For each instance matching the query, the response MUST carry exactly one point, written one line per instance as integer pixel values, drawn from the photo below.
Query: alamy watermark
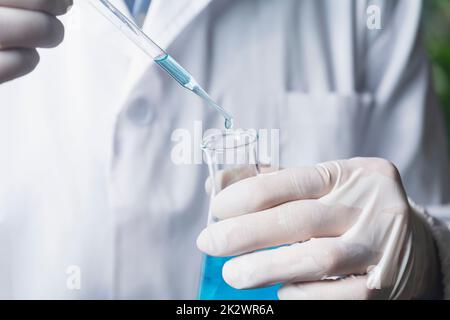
(73, 281)
(373, 21)
(187, 145)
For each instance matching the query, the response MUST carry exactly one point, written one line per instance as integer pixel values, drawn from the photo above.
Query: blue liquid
(229, 123)
(174, 69)
(213, 287)
(184, 78)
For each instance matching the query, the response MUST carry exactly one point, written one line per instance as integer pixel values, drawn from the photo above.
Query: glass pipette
(163, 59)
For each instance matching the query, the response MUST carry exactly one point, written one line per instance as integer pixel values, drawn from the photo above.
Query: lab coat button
(141, 112)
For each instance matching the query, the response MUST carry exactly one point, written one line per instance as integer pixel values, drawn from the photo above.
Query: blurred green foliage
(437, 37)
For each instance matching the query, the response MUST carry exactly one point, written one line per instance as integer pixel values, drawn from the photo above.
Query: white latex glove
(347, 218)
(24, 26)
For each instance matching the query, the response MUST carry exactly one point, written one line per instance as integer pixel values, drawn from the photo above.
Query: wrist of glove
(348, 220)
(419, 276)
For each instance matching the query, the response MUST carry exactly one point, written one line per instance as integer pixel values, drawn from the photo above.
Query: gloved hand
(24, 26)
(346, 231)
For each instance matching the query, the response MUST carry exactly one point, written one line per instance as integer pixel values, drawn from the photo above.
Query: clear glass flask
(228, 150)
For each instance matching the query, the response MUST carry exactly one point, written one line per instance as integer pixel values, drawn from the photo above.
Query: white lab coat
(85, 162)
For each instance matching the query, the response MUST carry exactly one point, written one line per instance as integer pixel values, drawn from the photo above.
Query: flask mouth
(229, 140)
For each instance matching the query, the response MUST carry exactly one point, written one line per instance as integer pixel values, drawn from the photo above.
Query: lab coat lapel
(165, 21)
(167, 18)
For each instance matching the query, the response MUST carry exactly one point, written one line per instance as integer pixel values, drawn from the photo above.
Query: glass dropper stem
(128, 28)
(164, 60)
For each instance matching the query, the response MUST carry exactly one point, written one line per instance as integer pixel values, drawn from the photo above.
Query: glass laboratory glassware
(227, 150)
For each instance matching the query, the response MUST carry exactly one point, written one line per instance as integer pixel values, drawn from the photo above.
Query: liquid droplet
(229, 124)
